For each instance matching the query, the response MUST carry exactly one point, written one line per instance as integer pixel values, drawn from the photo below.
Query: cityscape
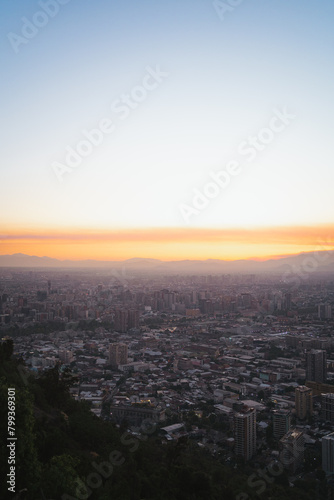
(240, 365)
(167, 250)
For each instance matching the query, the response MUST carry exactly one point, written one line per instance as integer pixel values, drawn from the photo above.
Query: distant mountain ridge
(310, 262)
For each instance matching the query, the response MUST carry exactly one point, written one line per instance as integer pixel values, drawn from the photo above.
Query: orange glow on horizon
(168, 243)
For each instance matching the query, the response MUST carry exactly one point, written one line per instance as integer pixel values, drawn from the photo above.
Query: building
(292, 450)
(292, 341)
(184, 364)
(65, 356)
(245, 433)
(133, 318)
(287, 300)
(118, 354)
(206, 306)
(136, 414)
(316, 365)
(281, 423)
(193, 313)
(304, 402)
(324, 311)
(327, 443)
(318, 389)
(327, 407)
(121, 320)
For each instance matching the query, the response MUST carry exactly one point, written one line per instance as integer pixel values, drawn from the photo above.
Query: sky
(173, 130)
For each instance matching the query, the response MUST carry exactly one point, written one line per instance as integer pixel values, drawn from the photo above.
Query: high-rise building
(304, 402)
(316, 365)
(327, 444)
(121, 320)
(324, 311)
(123, 354)
(118, 354)
(287, 300)
(292, 450)
(169, 300)
(245, 433)
(206, 306)
(133, 318)
(246, 300)
(113, 354)
(327, 407)
(281, 423)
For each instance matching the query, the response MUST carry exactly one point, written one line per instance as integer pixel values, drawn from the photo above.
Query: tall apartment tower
(287, 300)
(118, 354)
(327, 444)
(292, 450)
(324, 311)
(121, 320)
(327, 407)
(133, 318)
(316, 366)
(303, 401)
(281, 423)
(245, 433)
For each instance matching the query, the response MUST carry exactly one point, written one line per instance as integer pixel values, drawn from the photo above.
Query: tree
(60, 476)
(56, 385)
(6, 349)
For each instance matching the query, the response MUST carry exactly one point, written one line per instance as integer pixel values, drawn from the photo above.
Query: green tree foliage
(59, 476)
(56, 385)
(6, 350)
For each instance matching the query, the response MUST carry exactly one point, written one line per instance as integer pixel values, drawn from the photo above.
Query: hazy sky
(181, 89)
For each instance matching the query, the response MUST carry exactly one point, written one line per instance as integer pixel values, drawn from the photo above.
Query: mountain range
(306, 263)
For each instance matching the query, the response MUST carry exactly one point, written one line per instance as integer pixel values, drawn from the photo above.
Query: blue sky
(225, 78)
